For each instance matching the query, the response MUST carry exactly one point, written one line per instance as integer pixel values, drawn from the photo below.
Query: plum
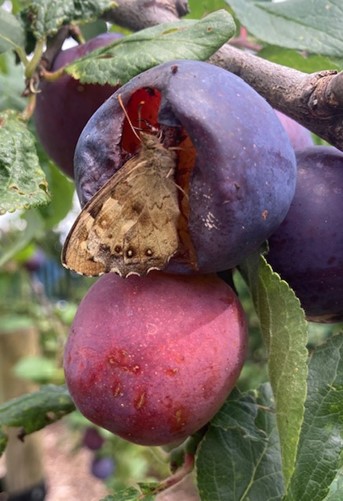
(36, 261)
(64, 106)
(102, 467)
(92, 439)
(153, 358)
(299, 136)
(237, 174)
(307, 249)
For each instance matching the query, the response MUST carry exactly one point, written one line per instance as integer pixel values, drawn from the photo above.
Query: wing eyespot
(130, 253)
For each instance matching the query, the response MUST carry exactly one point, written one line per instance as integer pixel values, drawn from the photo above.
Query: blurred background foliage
(35, 290)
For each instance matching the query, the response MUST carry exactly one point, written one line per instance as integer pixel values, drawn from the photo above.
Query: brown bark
(315, 100)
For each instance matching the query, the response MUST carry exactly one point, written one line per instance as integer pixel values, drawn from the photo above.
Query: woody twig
(315, 100)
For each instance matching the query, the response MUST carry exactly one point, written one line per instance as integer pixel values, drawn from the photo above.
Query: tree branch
(314, 100)
(138, 14)
(54, 45)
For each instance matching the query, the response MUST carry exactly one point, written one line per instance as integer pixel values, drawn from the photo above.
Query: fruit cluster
(152, 358)
(102, 465)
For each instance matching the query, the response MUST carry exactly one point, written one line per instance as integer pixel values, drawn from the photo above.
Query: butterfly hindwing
(130, 225)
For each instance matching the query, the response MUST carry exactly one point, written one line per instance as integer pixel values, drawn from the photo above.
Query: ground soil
(67, 470)
(66, 467)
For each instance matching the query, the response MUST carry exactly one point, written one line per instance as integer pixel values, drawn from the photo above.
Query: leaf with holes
(43, 18)
(22, 181)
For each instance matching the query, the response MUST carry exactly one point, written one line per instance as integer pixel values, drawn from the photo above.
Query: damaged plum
(153, 358)
(236, 178)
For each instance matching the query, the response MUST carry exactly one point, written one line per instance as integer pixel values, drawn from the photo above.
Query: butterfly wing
(101, 218)
(130, 225)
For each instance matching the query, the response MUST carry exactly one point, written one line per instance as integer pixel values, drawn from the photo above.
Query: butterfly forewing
(130, 225)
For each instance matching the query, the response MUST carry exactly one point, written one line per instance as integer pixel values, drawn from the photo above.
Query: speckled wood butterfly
(130, 226)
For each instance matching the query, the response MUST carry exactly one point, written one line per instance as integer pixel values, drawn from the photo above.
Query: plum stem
(52, 76)
(29, 108)
(21, 55)
(54, 45)
(179, 475)
(37, 55)
(182, 460)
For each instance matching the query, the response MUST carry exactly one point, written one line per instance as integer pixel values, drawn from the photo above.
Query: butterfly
(130, 226)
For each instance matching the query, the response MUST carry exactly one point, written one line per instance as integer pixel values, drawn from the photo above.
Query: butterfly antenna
(127, 116)
(140, 120)
(182, 191)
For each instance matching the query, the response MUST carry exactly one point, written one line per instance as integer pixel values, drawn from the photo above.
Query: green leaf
(299, 61)
(17, 5)
(239, 457)
(12, 323)
(133, 494)
(123, 59)
(3, 441)
(44, 18)
(62, 190)
(93, 29)
(199, 8)
(38, 369)
(336, 488)
(33, 411)
(12, 34)
(321, 440)
(314, 26)
(11, 83)
(22, 182)
(14, 241)
(285, 333)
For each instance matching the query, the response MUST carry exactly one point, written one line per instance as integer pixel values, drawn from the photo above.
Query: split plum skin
(243, 179)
